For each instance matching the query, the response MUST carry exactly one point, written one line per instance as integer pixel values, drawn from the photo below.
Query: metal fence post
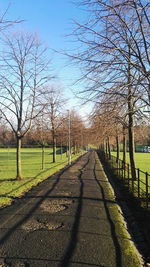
(138, 176)
(128, 174)
(122, 169)
(119, 168)
(132, 185)
(146, 184)
(117, 163)
(110, 163)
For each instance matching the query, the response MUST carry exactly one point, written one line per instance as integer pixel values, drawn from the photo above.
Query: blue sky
(52, 20)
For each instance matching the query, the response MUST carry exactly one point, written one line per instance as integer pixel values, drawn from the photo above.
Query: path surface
(71, 219)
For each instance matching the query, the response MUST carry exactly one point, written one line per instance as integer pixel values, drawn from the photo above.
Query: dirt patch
(48, 223)
(37, 224)
(55, 205)
(32, 225)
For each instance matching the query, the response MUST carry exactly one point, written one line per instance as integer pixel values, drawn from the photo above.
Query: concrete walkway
(71, 219)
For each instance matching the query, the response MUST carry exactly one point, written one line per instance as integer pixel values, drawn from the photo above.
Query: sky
(52, 20)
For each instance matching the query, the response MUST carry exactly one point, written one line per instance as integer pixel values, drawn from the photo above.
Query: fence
(140, 187)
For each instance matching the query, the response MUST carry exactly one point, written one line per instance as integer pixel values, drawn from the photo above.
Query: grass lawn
(31, 169)
(142, 160)
(143, 163)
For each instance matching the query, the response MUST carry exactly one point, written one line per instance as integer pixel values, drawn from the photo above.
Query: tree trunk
(131, 146)
(74, 148)
(106, 147)
(18, 159)
(43, 157)
(131, 121)
(54, 149)
(61, 150)
(103, 145)
(124, 146)
(66, 149)
(117, 145)
(149, 91)
(109, 152)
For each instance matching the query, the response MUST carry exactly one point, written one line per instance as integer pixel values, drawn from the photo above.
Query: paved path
(71, 219)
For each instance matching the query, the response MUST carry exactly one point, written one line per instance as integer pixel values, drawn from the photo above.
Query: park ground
(70, 219)
(35, 169)
(142, 160)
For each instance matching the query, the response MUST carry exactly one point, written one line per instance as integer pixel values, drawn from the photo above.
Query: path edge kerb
(123, 211)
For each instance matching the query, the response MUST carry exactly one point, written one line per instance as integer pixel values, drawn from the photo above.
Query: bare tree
(40, 134)
(55, 101)
(76, 131)
(114, 55)
(105, 37)
(24, 70)
(6, 23)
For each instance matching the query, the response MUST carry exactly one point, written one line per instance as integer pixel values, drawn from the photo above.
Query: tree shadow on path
(75, 228)
(112, 225)
(66, 261)
(31, 210)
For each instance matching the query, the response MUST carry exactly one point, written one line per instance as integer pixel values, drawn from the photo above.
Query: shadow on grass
(7, 180)
(30, 180)
(27, 182)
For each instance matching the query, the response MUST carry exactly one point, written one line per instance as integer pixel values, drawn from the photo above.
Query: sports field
(143, 163)
(142, 160)
(31, 169)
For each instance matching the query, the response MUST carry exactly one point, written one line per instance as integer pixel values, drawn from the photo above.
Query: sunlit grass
(31, 169)
(142, 160)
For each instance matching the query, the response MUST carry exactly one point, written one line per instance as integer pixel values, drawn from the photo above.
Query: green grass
(31, 169)
(142, 160)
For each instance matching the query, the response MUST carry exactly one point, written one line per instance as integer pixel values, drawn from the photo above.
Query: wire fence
(139, 186)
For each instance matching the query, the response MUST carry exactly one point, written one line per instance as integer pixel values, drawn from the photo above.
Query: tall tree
(23, 72)
(40, 134)
(54, 105)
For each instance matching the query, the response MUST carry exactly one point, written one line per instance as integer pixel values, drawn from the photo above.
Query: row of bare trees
(50, 129)
(114, 56)
(27, 98)
(31, 103)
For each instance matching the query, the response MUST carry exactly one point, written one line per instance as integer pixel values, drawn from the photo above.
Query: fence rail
(139, 186)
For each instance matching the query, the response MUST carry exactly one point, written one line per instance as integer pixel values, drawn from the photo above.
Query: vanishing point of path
(70, 219)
